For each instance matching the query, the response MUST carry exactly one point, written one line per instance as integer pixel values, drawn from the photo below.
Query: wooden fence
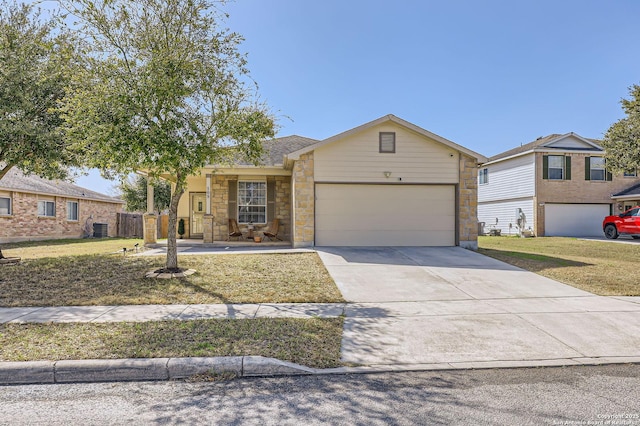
(130, 225)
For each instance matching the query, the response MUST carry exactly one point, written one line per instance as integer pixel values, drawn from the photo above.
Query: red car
(627, 223)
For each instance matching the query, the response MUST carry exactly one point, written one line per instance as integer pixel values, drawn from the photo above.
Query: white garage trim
(385, 215)
(574, 220)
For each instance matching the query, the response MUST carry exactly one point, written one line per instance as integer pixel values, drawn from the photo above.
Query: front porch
(196, 243)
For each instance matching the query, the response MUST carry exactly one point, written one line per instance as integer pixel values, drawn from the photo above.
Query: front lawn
(606, 269)
(113, 279)
(312, 342)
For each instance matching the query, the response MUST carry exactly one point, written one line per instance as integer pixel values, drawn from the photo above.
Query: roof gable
(388, 118)
(566, 142)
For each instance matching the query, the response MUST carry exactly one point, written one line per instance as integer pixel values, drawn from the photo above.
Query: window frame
(483, 176)
(47, 202)
(241, 204)
(77, 211)
(630, 173)
(380, 145)
(592, 169)
(562, 168)
(10, 208)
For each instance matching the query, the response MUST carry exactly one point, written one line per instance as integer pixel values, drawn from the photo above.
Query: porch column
(207, 220)
(150, 228)
(150, 209)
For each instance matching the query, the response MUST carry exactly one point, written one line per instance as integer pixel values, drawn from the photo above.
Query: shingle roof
(276, 149)
(15, 180)
(631, 191)
(531, 145)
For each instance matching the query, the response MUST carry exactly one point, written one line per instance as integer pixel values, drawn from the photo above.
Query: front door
(198, 201)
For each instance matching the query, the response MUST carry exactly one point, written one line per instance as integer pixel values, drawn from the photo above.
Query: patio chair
(272, 231)
(234, 230)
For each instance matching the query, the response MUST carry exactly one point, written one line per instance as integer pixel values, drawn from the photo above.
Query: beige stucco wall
(468, 203)
(577, 190)
(25, 225)
(356, 158)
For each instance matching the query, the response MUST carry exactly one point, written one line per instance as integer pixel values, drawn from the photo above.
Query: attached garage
(574, 220)
(385, 215)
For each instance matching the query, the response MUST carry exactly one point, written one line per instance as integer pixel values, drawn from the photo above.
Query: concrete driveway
(449, 307)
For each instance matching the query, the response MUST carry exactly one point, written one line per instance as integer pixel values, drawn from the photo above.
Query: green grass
(602, 268)
(311, 342)
(117, 280)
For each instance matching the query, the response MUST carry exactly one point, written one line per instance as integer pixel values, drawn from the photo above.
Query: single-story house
(384, 183)
(33, 208)
(557, 185)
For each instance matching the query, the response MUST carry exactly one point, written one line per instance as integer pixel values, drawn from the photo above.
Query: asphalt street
(602, 395)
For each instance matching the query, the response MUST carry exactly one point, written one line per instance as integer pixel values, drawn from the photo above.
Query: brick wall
(24, 223)
(468, 203)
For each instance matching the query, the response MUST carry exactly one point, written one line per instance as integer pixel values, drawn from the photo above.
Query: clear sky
(489, 75)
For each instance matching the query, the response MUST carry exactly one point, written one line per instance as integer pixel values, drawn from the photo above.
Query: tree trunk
(172, 245)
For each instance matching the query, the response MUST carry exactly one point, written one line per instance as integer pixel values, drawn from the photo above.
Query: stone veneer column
(207, 228)
(150, 228)
(468, 203)
(303, 201)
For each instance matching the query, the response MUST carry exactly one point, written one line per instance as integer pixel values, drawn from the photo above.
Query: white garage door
(385, 215)
(574, 220)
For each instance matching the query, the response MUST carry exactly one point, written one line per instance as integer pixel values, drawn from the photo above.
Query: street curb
(155, 369)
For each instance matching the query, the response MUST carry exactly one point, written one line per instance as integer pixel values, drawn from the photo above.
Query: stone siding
(24, 224)
(468, 203)
(304, 201)
(217, 225)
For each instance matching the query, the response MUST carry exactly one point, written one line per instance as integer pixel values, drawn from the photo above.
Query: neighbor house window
(72, 210)
(556, 166)
(5, 206)
(631, 173)
(387, 142)
(252, 202)
(596, 170)
(483, 176)
(46, 208)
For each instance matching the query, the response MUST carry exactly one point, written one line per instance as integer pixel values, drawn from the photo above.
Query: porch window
(72, 210)
(252, 202)
(46, 208)
(5, 206)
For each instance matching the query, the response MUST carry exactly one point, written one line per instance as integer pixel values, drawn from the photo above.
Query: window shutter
(587, 168)
(545, 167)
(233, 199)
(609, 177)
(271, 198)
(567, 167)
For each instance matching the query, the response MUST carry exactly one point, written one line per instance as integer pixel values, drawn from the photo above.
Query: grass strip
(603, 268)
(117, 280)
(312, 342)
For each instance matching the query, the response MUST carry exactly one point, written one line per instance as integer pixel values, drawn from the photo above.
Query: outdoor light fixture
(387, 174)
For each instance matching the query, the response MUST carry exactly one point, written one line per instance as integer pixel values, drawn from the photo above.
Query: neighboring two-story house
(557, 185)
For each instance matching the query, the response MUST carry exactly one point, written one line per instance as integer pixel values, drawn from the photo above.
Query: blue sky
(488, 75)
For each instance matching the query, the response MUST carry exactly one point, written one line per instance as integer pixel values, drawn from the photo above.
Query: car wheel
(611, 232)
